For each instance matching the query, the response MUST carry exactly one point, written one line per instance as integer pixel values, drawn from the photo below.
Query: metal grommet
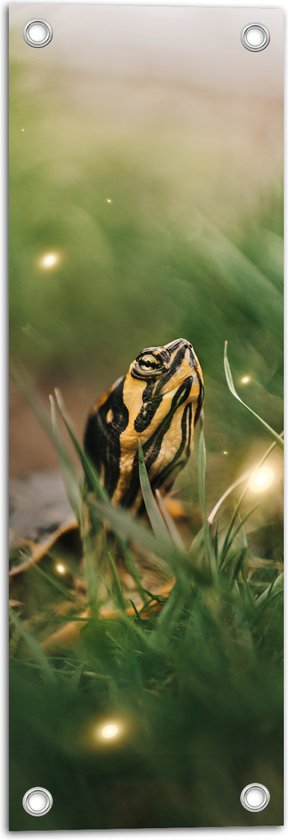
(37, 801)
(255, 797)
(255, 37)
(37, 33)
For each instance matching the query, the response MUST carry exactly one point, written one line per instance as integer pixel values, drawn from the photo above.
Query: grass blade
(163, 555)
(201, 463)
(232, 389)
(67, 470)
(32, 643)
(240, 500)
(117, 588)
(170, 524)
(238, 528)
(156, 521)
(89, 470)
(202, 468)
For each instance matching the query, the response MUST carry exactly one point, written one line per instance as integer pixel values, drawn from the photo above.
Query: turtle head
(157, 402)
(167, 365)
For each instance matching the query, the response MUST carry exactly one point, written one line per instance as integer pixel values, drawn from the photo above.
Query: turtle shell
(47, 579)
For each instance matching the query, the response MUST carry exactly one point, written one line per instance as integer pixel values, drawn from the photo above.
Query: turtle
(157, 403)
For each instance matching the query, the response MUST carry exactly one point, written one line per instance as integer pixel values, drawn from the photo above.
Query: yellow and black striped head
(158, 403)
(160, 372)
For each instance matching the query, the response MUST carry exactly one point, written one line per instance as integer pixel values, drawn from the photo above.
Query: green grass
(196, 685)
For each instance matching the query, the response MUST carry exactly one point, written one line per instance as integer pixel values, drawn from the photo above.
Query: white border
(241, 834)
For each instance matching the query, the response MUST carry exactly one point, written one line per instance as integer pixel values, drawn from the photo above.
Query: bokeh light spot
(110, 730)
(60, 568)
(262, 479)
(49, 260)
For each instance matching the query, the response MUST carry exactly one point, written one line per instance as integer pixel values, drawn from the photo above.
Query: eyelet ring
(255, 797)
(37, 33)
(255, 37)
(37, 801)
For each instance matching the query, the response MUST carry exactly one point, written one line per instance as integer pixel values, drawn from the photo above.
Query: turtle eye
(149, 362)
